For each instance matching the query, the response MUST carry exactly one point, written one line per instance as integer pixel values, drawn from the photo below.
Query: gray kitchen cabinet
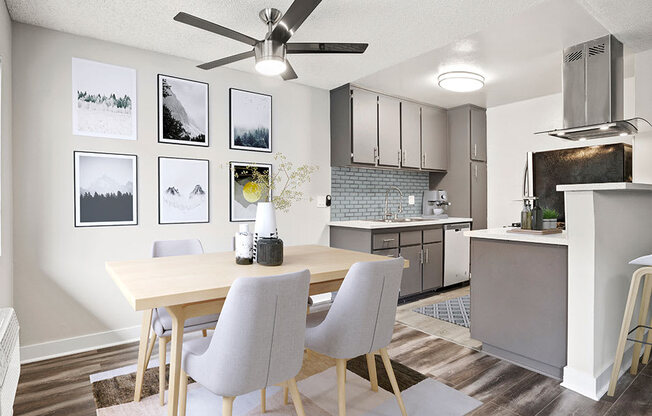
(479, 194)
(434, 139)
(433, 265)
(411, 282)
(478, 134)
(389, 252)
(410, 135)
(389, 131)
(364, 126)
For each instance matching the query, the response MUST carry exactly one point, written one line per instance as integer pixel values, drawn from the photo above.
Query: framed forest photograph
(183, 190)
(250, 121)
(245, 194)
(105, 189)
(182, 111)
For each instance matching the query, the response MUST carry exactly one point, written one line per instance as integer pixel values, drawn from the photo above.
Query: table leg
(142, 353)
(178, 320)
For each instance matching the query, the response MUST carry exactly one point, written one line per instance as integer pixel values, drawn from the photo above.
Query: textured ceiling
(395, 30)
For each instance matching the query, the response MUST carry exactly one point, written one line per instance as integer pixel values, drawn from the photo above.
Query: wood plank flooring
(61, 386)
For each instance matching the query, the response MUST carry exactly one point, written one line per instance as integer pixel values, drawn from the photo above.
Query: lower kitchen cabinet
(433, 266)
(411, 282)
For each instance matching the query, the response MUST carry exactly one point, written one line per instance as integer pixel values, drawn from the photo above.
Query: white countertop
(372, 225)
(608, 186)
(502, 234)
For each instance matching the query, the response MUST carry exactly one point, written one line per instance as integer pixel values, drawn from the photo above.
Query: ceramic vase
(265, 223)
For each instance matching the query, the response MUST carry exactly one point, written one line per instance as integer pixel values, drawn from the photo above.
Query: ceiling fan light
(461, 81)
(270, 57)
(271, 66)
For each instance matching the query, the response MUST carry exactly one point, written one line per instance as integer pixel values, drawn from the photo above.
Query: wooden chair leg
(204, 333)
(263, 400)
(162, 345)
(624, 329)
(142, 353)
(340, 365)
(373, 377)
(227, 406)
(183, 393)
(392, 379)
(285, 393)
(296, 397)
(642, 320)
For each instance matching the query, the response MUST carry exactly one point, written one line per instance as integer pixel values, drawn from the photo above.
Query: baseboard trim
(74, 345)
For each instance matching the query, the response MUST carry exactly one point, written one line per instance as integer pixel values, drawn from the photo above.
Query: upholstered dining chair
(360, 321)
(258, 341)
(161, 319)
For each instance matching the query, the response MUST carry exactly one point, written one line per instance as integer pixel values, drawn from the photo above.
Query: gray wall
(61, 287)
(6, 219)
(359, 194)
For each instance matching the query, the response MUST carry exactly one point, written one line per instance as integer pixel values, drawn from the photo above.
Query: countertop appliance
(457, 254)
(435, 204)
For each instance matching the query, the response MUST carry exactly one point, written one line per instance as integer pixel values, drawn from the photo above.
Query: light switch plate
(411, 200)
(323, 201)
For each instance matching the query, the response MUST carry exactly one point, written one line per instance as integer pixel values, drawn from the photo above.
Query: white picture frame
(184, 190)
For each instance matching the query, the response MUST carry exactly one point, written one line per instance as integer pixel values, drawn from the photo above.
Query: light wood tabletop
(189, 286)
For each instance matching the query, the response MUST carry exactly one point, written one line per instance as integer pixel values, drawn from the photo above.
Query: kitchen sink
(415, 219)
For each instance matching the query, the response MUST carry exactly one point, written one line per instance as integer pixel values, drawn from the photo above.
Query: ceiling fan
(270, 52)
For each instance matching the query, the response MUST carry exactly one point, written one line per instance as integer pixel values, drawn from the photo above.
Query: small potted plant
(549, 218)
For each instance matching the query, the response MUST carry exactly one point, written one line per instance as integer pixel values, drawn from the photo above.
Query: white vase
(265, 223)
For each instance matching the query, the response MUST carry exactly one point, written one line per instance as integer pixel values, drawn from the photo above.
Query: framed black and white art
(245, 194)
(183, 191)
(103, 100)
(182, 111)
(250, 121)
(106, 191)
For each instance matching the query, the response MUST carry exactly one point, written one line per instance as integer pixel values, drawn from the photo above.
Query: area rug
(456, 310)
(423, 396)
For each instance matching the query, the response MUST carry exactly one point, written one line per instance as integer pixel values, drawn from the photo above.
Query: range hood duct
(592, 86)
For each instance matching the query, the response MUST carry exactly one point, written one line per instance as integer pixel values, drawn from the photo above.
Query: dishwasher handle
(457, 227)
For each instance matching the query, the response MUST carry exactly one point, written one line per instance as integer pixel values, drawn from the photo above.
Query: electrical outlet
(411, 200)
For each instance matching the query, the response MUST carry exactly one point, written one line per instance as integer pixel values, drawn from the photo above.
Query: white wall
(6, 219)
(510, 135)
(643, 142)
(61, 288)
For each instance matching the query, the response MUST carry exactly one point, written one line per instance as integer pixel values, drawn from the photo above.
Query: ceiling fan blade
(227, 60)
(292, 19)
(214, 27)
(315, 47)
(289, 73)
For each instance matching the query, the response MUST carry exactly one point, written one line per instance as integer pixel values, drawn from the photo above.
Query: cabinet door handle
(388, 240)
(475, 149)
(424, 160)
(399, 158)
(375, 154)
(403, 161)
(421, 256)
(476, 171)
(427, 255)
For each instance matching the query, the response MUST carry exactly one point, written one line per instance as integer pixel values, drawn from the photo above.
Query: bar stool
(644, 273)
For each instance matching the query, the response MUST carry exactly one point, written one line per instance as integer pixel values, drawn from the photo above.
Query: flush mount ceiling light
(460, 81)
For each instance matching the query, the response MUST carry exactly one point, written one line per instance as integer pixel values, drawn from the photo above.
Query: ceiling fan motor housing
(269, 50)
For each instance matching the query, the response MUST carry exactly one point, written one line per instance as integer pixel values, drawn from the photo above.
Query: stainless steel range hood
(592, 86)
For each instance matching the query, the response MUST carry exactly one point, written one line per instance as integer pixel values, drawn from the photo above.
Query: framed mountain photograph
(250, 121)
(182, 111)
(103, 100)
(105, 189)
(245, 194)
(182, 191)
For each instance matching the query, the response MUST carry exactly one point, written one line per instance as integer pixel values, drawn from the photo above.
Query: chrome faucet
(388, 214)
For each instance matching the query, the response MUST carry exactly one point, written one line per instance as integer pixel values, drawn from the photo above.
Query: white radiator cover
(9, 360)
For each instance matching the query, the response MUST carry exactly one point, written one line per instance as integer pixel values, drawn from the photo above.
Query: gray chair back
(363, 312)
(259, 338)
(177, 248)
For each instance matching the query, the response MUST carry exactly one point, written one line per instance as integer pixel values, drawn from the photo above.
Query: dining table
(196, 285)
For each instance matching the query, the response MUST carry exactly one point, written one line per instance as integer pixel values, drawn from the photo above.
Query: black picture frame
(231, 187)
(232, 145)
(159, 109)
(208, 191)
(76, 194)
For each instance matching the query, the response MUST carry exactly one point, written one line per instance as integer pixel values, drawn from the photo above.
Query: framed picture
(250, 121)
(103, 100)
(244, 193)
(106, 191)
(182, 190)
(182, 111)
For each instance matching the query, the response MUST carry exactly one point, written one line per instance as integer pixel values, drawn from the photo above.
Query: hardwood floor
(61, 386)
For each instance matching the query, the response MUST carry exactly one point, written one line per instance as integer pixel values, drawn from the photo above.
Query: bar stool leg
(624, 328)
(642, 320)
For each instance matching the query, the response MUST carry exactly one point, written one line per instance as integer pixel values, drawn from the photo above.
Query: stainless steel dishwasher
(457, 253)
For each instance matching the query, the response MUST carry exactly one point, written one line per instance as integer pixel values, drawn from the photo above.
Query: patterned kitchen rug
(113, 393)
(456, 310)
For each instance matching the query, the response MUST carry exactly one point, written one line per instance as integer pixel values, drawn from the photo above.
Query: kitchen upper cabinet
(389, 131)
(364, 126)
(433, 266)
(479, 195)
(434, 139)
(478, 134)
(410, 135)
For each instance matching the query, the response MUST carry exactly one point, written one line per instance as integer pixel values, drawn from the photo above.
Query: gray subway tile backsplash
(359, 194)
